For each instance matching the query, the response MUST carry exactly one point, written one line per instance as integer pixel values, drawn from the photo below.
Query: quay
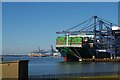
(101, 60)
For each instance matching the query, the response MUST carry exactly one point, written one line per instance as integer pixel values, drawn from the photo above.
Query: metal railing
(75, 75)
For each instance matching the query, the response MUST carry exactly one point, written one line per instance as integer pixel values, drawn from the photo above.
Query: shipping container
(71, 40)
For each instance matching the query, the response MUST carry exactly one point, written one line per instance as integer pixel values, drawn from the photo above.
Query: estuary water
(55, 65)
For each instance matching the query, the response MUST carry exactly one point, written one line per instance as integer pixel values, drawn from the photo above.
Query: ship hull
(75, 53)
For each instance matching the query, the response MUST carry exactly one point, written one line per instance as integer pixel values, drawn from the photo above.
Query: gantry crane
(100, 28)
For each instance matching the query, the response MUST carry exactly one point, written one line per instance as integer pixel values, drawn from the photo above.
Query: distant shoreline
(14, 55)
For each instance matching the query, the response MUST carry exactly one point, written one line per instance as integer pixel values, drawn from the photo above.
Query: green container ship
(74, 47)
(96, 40)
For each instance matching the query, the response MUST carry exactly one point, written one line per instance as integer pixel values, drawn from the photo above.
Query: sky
(27, 25)
(0, 28)
(119, 12)
(60, 0)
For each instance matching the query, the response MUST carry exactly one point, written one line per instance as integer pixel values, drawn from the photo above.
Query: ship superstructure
(94, 39)
(116, 33)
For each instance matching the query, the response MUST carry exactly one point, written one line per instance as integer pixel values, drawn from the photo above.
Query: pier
(101, 60)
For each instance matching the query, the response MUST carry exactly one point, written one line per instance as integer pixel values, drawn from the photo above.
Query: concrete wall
(10, 70)
(0, 71)
(17, 70)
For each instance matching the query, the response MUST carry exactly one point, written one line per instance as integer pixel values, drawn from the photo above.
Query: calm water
(55, 65)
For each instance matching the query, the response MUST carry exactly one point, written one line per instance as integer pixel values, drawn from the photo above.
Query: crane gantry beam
(92, 28)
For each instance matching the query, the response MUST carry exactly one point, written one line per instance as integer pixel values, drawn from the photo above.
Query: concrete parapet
(17, 70)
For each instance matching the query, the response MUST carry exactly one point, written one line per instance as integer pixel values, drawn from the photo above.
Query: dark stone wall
(23, 70)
